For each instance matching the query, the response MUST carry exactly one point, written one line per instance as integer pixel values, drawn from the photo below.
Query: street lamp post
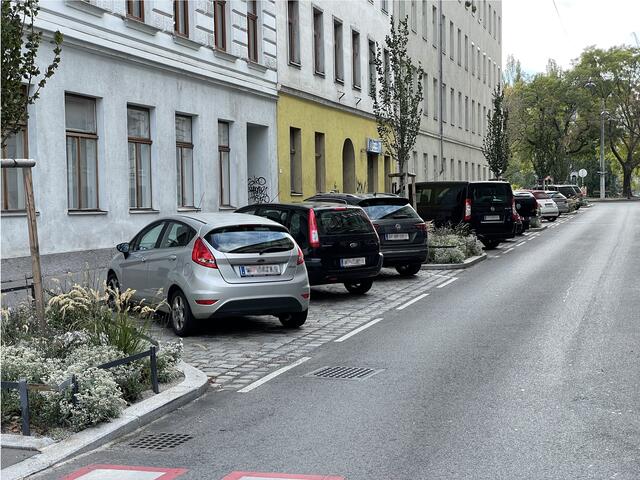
(602, 169)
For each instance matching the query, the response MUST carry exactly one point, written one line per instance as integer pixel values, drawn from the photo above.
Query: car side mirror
(123, 248)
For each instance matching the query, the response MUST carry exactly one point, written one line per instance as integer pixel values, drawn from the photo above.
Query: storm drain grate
(160, 441)
(346, 373)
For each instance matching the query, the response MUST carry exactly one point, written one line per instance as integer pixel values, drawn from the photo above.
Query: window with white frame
(82, 152)
(414, 16)
(460, 110)
(224, 154)
(220, 24)
(181, 17)
(383, 6)
(473, 116)
(355, 60)
(451, 40)
(139, 143)
(452, 106)
(372, 67)
(466, 52)
(459, 47)
(318, 41)
(184, 161)
(473, 60)
(436, 102)
(425, 10)
(466, 113)
(293, 29)
(338, 55)
(443, 26)
(434, 25)
(425, 93)
(252, 29)
(12, 178)
(135, 9)
(444, 102)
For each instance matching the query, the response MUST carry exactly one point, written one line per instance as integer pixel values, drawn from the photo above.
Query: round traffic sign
(582, 173)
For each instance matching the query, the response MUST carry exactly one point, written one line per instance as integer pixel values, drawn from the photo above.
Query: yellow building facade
(324, 149)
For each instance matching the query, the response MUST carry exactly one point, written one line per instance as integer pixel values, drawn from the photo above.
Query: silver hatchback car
(213, 265)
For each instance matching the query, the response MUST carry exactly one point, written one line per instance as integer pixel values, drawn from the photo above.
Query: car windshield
(434, 195)
(249, 239)
(540, 195)
(490, 193)
(338, 221)
(389, 211)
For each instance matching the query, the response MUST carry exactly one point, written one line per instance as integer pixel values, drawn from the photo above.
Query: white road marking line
(447, 283)
(438, 275)
(358, 330)
(521, 243)
(411, 302)
(507, 251)
(272, 375)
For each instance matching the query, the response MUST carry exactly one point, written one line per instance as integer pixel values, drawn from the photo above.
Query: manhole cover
(160, 441)
(346, 373)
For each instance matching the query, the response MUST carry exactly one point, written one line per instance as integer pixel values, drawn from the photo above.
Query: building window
(372, 67)
(383, 6)
(479, 124)
(220, 24)
(12, 178)
(82, 152)
(320, 165)
(138, 130)
(443, 34)
(452, 169)
(484, 122)
(424, 19)
(444, 102)
(460, 170)
(318, 42)
(355, 59)
(387, 65)
(181, 17)
(184, 161)
(425, 92)
(135, 9)
(224, 150)
(478, 62)
(489, 19)
(436, 102)
(466, 53)
(473, 60)
(293, 30)
(295, 160)
(252, 29)
(453, 107)
(460, 110)
(473, 116)
(451, 44)
(414, 16)
(499, 30)
(490, 68)
(466, 113)
(434, 25)
(459, 47)
(435, 167)
(484, 68)
(338, 60)
(401, 12)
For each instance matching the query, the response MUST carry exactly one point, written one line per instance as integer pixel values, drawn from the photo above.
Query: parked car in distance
(214, 265)
(569, 191)
(526, 206)
(339, 242)
(560, 200)
(488, 207)
(548, 208)
(403, 234)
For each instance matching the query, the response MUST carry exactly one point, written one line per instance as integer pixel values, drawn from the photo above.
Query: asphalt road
(526, 367)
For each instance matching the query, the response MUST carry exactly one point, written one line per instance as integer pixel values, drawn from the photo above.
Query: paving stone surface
(235, 352)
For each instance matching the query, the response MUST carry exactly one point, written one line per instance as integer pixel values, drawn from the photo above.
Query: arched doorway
(348, 167)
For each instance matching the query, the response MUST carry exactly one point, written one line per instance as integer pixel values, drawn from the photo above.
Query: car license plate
(490, 218)
(352, 262)
(259, 270)
(397, 236)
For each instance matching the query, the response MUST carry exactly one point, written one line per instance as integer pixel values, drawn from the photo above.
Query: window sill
(16, 213)
(186, 41)
(256, 66)
(226, 208)
(141, 26)
(141, 211)
(189, 209)
(294, 64)
(86, 7)
(224, 55)
(357, 87)
(319, 74)
(86, 212)
(339, 81)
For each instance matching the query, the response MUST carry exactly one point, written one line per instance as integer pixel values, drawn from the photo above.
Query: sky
(534, 31)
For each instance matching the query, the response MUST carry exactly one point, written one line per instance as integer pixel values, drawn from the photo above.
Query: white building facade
(471, 56)
(157, 107)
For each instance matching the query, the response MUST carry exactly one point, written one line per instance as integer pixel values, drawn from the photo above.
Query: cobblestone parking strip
(237, 351)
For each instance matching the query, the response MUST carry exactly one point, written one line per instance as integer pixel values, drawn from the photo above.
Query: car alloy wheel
(177, 312)
(114, 289)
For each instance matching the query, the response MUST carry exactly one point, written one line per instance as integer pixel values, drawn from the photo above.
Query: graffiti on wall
(258, 190)
(361, 187)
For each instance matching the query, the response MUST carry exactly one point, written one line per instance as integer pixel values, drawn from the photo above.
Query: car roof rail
(327, 199)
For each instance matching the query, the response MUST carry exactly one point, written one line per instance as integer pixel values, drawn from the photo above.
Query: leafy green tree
(495, 146)
(397, 100)
(615, 76)
(20, 43)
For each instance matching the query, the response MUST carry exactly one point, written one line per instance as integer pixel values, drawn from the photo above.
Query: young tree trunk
(626, 180)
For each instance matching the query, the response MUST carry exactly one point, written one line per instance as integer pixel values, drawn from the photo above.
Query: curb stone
(455, 266)
(193, 386)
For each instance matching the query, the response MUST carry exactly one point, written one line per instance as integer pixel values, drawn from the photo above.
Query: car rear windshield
(433, 195)
(340, 221)
(389, 209)
(567, 191)
(249, 239)
(490, 193)
(541, 195)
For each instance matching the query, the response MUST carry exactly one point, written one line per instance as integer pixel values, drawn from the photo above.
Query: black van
(403, 234)
(339, 242)
(488, 207)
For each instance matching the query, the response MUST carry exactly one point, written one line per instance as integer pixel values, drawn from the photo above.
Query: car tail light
(514, 212)
(202, 256)
(314, 238)
(206, 302)
(305, 295)
(300, 260)
(421, 226)
(467, 210)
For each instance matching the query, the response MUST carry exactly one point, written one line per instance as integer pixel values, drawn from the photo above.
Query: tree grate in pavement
(160, 441)
(344, 373)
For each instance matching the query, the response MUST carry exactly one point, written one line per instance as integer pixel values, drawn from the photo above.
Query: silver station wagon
(214, 265)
